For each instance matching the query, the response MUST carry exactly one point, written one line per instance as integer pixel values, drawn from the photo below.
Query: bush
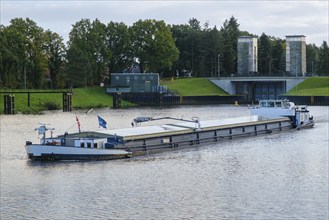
(51, 106)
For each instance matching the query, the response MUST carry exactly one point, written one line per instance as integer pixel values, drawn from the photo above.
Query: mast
(42, 130)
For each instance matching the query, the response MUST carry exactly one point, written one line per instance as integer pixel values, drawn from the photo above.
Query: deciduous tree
(153, 45)
(55, 50)
(118, 42)
(23, 58)
(87, 48)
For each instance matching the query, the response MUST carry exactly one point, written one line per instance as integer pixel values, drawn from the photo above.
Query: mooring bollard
(117, 100)
(9, 104)
(67, 102)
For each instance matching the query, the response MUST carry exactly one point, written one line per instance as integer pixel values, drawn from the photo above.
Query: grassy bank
(83, 98)
(315, 86)
(95, 97)
(193, 87)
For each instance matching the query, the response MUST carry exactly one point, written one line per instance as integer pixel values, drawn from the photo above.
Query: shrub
(51, 106)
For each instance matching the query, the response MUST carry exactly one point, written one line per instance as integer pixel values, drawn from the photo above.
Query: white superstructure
(299, 115)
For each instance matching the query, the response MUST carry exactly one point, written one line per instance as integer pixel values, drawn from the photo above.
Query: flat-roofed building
(295, 55)
(247, 55)
(135, 83)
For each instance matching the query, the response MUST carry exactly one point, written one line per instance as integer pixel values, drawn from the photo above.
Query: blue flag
(101, 122)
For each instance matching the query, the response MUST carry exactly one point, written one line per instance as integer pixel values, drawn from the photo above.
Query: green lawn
(192, 87)
(315, 86)
(38, 102)
(91, 97)
(83, 98)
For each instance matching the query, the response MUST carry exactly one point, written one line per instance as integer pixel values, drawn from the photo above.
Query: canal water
(277, 176)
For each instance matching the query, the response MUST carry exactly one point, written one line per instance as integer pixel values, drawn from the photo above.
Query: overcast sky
(276, 18)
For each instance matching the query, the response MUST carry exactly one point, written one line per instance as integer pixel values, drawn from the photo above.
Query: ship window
(263, 104)
(82, 144)
(270, 104)
(278, 104)
(89, 145)
(95, 145)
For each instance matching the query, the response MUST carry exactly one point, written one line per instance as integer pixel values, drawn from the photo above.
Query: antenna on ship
(42, 130)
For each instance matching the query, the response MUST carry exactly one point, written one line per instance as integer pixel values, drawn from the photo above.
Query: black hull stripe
(76, 157)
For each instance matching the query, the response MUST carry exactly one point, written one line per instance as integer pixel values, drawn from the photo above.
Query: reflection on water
(278, 176)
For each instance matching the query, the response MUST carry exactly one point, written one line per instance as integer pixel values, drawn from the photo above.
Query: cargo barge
(140, 140)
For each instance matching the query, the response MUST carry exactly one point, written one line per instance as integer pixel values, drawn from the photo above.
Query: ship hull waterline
(46, 152)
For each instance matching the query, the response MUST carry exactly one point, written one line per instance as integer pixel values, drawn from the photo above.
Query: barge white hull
(49, 152)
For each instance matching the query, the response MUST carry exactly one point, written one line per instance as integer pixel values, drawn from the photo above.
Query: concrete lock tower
(247, 55)
(295, 55)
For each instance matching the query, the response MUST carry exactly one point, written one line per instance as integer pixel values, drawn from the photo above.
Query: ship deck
(143, 132)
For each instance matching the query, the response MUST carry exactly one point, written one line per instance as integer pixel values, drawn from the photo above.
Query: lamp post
(296, 75)
(296, 64)
(270, 68)
(25, 62)
(25, 75)
(218, 59)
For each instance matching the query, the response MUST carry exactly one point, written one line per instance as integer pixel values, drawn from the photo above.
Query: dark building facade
(295, 55)
(134, 83)
(247, 55)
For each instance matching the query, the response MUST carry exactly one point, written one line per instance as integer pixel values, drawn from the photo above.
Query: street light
(218, 59)
(296, 74)
(271, 65)
(24, 75)
(296, 63)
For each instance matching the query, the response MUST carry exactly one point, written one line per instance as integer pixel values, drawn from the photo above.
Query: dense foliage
(31, 57)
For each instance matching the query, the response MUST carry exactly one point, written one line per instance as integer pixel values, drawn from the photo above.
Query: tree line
(32, 58)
